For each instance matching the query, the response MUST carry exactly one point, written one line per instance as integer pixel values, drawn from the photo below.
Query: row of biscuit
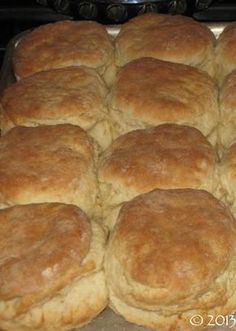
(172, 38)
(145, 93)
(171, 254)
(60, 163)
(169, 264)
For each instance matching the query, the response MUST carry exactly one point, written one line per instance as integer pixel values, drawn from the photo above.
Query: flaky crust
(172, 38)
(64, 44)
(227, 100)
(48, 164)
(168, 156)
(75, 95)
(172, 255)
(149, 92)
(225, 55)
(49, 265)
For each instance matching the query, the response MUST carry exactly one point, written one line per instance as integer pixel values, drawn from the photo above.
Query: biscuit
(168, 156)
(227, 101)
(171, 256)
(74, 95)
(224, 53)
(65, 44)
(51, 259)
(48, 164)
(166, 37)
(148, 92)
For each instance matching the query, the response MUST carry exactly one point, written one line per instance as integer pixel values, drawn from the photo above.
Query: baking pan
(7, 75)
(107, 320)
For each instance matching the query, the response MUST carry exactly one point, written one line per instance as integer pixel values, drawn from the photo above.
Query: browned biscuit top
(167, 156)
(173, 38)
(62, 44)
(176, 242)
(47, 164)
(73, 95)
(42, 247)
(154, 91)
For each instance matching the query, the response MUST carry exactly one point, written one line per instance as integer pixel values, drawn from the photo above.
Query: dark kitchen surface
(17, 16)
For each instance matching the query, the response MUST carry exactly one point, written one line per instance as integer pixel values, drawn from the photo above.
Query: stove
(17, 16)
(119, 11)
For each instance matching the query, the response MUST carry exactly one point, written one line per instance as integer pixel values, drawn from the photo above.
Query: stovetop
(17, 16)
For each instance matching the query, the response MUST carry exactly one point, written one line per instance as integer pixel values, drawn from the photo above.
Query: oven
(16, 16)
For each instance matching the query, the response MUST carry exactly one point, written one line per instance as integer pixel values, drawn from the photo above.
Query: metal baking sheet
(7, 75)
(107, 320)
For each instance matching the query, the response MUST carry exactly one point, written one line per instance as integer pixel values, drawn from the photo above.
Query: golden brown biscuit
(227, 122)
(50, 262)
(74, 95)
(172, 256)
(65, 44)
(48, 164)
(149, 92)
(168, 156)
(225, 54)
(166, 37)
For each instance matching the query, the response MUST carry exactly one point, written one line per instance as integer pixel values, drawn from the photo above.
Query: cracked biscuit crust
(74, 95)
(48, 164)
(50, 264)
(168, 156)
(64, 44)
(149, 92)
(166, 37)
(172, 254)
